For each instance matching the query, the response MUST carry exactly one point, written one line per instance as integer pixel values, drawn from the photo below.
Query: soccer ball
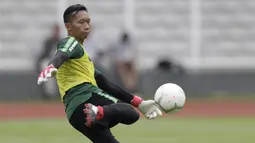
(170, 97)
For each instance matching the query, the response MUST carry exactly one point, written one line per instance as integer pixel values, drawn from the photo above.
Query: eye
(81, 22)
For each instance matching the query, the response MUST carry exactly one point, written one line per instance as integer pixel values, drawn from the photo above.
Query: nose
(87, 26)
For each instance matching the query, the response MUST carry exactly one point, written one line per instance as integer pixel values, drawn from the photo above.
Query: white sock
(94, 108)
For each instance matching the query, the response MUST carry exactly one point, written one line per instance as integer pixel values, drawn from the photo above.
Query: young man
(92, 104)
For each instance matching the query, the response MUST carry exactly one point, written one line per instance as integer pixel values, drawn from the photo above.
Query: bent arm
(58, 59)
(66, 51)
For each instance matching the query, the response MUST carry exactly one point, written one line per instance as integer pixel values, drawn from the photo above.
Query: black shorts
(100, 132)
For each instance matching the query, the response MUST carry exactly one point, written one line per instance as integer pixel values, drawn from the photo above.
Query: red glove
(46, 74)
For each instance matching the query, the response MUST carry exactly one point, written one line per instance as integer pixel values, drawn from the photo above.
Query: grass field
(163, 130)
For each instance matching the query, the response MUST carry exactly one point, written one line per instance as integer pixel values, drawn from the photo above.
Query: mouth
(86, 32)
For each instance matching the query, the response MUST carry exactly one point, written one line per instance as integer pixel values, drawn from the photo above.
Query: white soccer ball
(170, 97)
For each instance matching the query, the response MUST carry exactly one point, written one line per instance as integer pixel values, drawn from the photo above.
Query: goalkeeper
(93, 105)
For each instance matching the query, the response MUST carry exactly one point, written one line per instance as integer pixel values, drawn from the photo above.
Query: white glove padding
(46, 74)
(150, 109)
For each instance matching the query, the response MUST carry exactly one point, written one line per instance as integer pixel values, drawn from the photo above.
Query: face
(79, 25)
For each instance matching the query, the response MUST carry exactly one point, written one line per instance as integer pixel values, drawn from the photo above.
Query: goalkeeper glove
(46, 74)
(148, 107)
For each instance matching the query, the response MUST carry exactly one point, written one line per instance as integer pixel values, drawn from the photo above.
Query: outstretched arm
(148, 107)
(115, 90)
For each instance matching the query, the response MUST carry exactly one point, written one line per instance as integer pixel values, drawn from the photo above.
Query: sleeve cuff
(136, 101)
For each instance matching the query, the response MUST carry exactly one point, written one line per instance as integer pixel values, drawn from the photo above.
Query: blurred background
(205, 46)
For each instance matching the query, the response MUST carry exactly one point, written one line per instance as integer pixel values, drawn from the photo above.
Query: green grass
(164, 130)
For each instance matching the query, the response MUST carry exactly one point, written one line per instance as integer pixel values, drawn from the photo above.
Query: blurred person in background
(124, 62)
(48, 50)
(167, 66)
(93, 104)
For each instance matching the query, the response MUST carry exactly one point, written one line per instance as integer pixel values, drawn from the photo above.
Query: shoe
(92, 113)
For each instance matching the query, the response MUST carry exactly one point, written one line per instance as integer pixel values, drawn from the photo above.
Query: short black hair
(72, 10)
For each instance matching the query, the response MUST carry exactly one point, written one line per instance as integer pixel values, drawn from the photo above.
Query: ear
(68, 26)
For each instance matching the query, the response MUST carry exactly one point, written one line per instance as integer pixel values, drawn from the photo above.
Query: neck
(78, 39)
